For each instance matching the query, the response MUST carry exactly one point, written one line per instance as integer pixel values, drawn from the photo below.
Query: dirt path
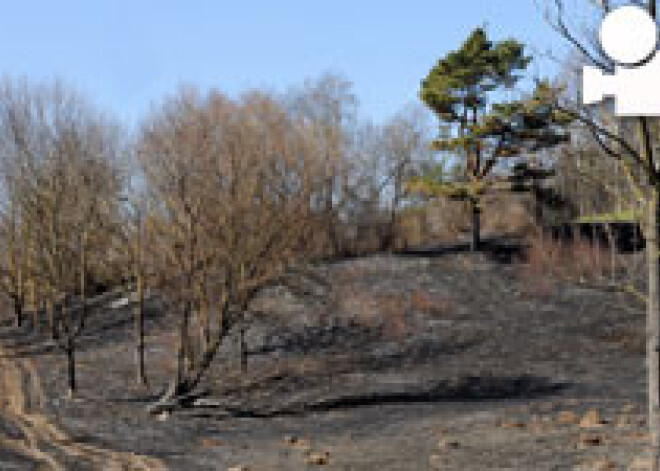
(38, 438)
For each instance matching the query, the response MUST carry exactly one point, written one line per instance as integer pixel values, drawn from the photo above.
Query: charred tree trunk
(243, 349)
(18, 311)
(475, 207)
(179, 383)
(50, 312)
(138, 317)
(183, 384)
(71, 365)
(34, 306)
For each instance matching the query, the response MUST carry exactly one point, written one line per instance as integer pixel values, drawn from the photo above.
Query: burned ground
(432, 360)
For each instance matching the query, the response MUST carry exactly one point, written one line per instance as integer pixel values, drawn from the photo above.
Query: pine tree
(481, 133)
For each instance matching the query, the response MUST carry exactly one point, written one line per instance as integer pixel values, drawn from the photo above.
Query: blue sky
(127, 54)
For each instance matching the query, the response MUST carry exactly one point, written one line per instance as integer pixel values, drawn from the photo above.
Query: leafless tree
(640, 163)
(60, 159)
(407, 144)
(232, 182)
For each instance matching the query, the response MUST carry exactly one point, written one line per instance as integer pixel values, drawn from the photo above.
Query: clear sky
(126, 54)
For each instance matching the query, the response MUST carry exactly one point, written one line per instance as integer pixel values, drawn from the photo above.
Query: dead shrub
(550, 261)
(539, 286)
(421, 301)
(350, 301)
(392, 310)
(387, 312)
(432, 306)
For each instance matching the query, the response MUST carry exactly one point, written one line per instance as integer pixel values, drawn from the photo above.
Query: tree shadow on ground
(499, 249)
(464, 389)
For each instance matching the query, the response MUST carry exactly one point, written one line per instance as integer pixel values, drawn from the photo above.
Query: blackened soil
(407, 362)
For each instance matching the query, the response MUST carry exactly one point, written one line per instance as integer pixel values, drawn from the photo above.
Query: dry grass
(392, 309)
(550, 261)
(431, 305)
(390, 313)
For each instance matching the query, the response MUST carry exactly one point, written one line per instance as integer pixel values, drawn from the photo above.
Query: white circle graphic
(628, 35)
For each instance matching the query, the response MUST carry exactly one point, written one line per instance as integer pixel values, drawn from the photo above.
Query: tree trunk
(50, 309)
(138, 316)
(71, 365)
(18, 311)
(398, 190)
(612, 239)
(243, 349)
(653, 314)
(392, 232)
(34, 305)
(183, 352)
(653, 298)
(476, 225)
(653, 323)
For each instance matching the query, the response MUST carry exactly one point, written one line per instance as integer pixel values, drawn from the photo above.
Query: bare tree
(232, 182)
(60, 158)
(641, 165)
(329, 106)
(407, 143)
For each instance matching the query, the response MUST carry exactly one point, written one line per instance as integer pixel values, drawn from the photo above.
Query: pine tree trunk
(653, 323)
(476, 225)
(392, 232)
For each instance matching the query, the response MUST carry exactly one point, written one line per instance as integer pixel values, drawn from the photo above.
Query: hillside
(408, 362)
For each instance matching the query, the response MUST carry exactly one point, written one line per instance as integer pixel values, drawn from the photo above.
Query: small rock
(513, 424)
(588, 440)
(290, 439)
(602, 464)
(296, 442)
(568, 417)
(239, 468)
(445, 444)
(211, 442)
(163, 416)
(319, 459)
(592, 419)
